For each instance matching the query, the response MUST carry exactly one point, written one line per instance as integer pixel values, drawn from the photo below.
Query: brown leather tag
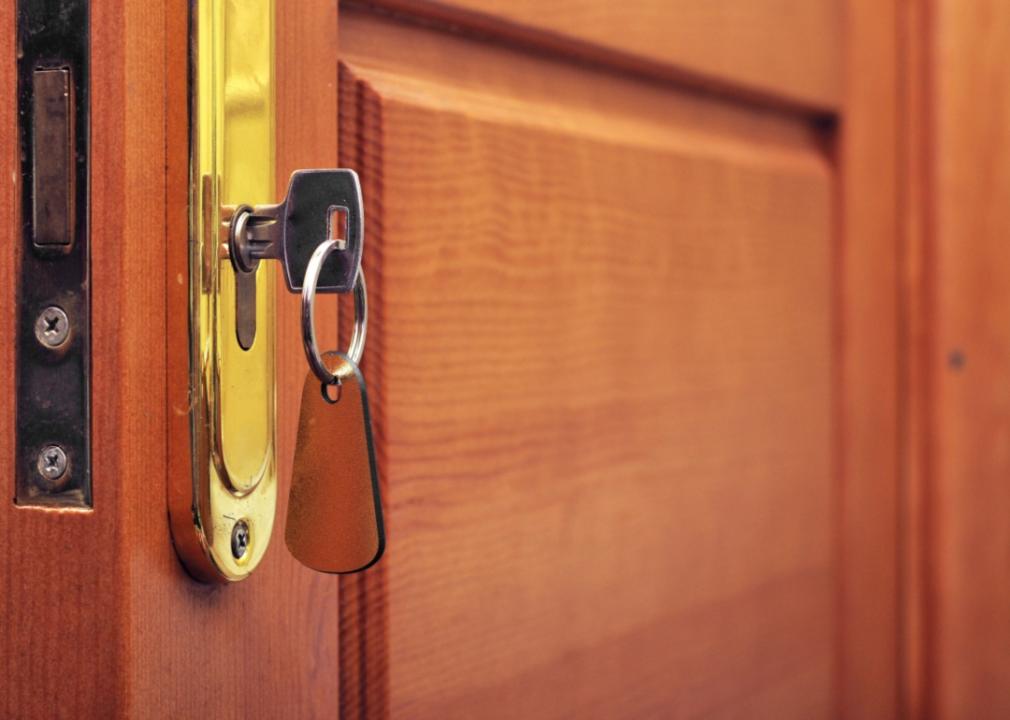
(334, 520)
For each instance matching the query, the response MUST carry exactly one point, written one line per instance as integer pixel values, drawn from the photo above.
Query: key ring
(357, 346)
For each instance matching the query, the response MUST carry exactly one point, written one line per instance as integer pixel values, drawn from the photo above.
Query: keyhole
(240, 539)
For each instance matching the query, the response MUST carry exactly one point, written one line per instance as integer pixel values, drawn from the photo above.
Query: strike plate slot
(53, 343)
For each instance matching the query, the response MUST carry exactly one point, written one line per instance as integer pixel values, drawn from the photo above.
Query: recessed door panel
(602, 361)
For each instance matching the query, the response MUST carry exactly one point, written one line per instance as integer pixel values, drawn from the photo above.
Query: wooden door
(632, 357)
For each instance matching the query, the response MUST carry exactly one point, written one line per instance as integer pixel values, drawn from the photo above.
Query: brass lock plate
(222, 515)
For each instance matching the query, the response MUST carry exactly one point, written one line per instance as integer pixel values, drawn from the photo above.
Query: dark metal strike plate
(53, 343)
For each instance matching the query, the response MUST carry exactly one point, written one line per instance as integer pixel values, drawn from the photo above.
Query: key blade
(334, 522)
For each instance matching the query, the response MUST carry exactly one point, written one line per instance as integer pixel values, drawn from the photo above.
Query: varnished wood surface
(868, 356)
(364, 640)
(601, 355)
(789, 49)
(918, 364)
(964, 296)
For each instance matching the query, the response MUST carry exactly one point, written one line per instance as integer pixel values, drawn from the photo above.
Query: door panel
(601, 359)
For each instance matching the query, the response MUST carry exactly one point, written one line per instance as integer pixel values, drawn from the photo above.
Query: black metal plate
(53, 384)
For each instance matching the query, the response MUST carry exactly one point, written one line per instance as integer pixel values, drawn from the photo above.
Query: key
(319, 205)
(334, 520)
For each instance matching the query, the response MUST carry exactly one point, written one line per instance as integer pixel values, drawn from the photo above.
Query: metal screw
(240, 539)
(52, 327)
(52, 462)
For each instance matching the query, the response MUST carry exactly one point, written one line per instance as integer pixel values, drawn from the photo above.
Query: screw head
(52, 327)
(240, 539)
(52, 462)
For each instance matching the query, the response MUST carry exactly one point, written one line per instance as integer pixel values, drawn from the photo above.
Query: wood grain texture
(918, 298)
(787, 49)
(867, 362)
(601, 360)
(364, 648)
(967, 416)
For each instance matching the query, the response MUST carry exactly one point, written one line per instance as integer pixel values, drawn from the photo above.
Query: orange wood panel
(917, 541)
(965, 299)
(790, 49)
(868, 357)
(601, 361)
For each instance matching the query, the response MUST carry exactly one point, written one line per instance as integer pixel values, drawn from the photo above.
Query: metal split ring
(357, 346)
